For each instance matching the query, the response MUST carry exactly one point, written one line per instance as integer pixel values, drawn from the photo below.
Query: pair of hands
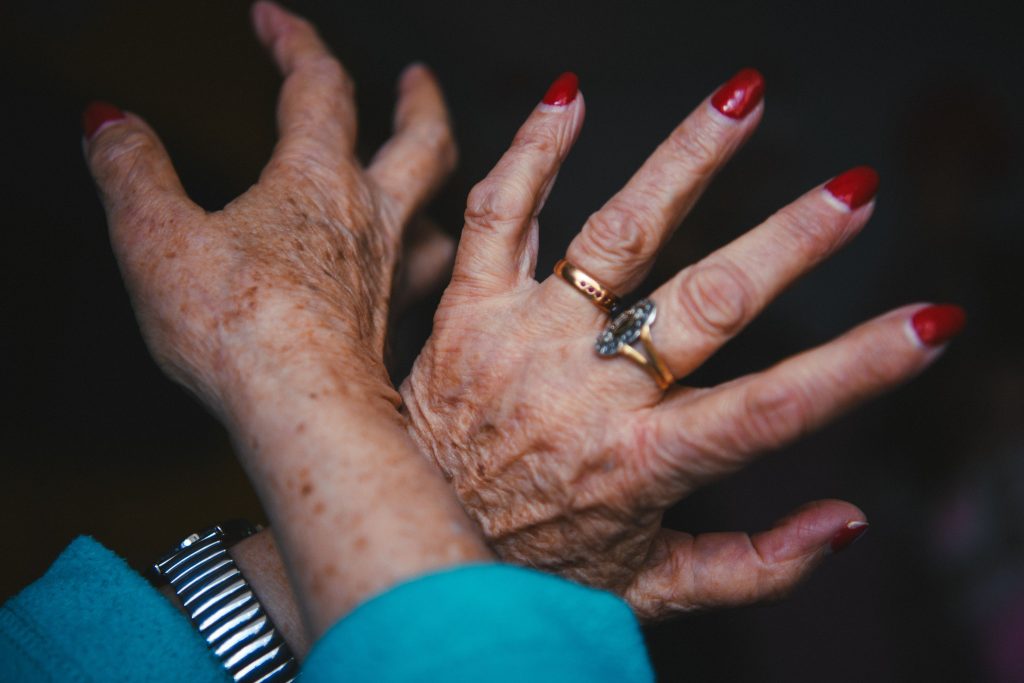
(565, 460)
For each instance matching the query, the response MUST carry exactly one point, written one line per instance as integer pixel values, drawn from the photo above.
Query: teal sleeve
(91, 618)
(490, 623)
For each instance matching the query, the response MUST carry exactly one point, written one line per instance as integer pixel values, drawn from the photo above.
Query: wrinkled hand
(274, 310)
(568, 460)
(302, 263)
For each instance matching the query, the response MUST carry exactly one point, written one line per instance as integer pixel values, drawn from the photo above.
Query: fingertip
(854, 188)
(936, 324)
(848, 534)
(809, 530)
(412, 73)
(269, 21)
(562, 92)
(98, 116)
(260, 14)
(740, 95)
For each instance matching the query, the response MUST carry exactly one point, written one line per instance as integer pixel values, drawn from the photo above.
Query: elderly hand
(567, 459)
(300, 264)
(274, 311)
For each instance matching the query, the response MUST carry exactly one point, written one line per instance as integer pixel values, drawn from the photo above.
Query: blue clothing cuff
(91, 618)
(491, 623)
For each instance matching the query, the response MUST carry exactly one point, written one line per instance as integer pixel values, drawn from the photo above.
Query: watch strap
(223, 607)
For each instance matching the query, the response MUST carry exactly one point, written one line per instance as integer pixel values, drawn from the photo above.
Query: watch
(221, 604)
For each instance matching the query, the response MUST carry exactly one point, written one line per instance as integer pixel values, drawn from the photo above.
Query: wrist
(260, 563)
(355, 507)
(262, 386)
(283, 348)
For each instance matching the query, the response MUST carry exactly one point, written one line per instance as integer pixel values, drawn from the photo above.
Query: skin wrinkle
(515, 480)
(559, 478)
(566, 461)
(284, 294)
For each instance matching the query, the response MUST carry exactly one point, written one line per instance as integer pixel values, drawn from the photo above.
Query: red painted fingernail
(936, 325)
(846, 536)
(563, 91)
(740, 94)
(96, 114)
(855, 187)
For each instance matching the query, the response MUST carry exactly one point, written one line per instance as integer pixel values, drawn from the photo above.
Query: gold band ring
(598, 294)
(630, 326)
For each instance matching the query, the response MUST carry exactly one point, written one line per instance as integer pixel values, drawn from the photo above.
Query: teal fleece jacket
(91, 618)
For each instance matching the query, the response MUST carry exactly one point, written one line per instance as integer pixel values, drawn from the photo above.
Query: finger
(724, 428)
(427, 257)
(421, 154)
(134, 175)
(498, 248)
(316, 113)
(686, 573)
(711, 301)
(618, 244)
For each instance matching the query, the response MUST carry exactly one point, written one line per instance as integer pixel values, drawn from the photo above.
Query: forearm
(355, 508)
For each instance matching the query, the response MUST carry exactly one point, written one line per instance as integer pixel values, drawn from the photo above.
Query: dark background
(99, 442)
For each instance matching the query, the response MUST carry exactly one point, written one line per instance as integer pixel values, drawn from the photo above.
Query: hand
(274, 311)
(301, 263)
(568, 460)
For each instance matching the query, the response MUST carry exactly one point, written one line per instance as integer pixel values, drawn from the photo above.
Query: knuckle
(302, 25)
(718, 298)
(621, 230)
(125, 150)
(320, 70)
(774, 413)
(542, 141)
(811, 234)
(497, 200)
(436, 140)
(697, 147)
(302, 165)
(328, 69)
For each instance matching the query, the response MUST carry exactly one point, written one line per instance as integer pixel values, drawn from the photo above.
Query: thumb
(134, 175)
(685, 573)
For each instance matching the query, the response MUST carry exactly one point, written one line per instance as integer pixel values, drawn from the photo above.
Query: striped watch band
(221, 605)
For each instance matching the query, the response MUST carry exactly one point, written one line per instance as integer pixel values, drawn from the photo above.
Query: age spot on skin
(301, 427)
(306, 489)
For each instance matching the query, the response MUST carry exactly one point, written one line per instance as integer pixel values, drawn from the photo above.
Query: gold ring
(598, 294)
(630, 326)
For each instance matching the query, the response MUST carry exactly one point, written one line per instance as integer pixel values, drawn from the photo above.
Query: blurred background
(928, 93)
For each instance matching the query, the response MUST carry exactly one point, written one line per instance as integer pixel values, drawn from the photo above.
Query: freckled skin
(545, 474)
(274, 311)
(195, 311)
(565, 461)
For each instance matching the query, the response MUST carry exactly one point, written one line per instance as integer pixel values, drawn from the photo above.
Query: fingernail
(846, 536)
(96, 115)
(563, 91)
(855, 187)
(740, 94)
(935, 325)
